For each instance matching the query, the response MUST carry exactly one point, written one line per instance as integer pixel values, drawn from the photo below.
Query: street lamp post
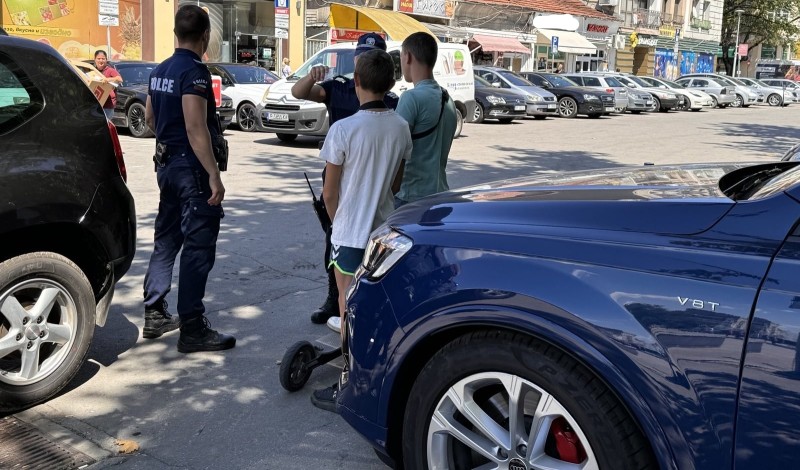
(738, 12)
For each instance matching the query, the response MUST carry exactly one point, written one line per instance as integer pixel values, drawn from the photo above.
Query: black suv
(572, 98)
(67, 221)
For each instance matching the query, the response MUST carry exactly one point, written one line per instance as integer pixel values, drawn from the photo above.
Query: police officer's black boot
(197, 335)
(158, 321)
(331, 306)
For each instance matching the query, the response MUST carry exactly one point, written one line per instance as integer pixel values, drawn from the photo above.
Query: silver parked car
(782, 83)
(693, 99)
(663, 100)
(723, 95)
(775, 96)
(745, 95)
(540, 103)
(607, 84)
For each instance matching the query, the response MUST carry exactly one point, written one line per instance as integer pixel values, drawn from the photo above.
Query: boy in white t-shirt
(363, 154)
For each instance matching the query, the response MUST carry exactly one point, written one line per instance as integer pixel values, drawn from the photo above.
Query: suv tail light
(609, 90)
(112, 129)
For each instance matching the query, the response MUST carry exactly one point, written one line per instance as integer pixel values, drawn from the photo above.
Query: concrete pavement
(227, 410)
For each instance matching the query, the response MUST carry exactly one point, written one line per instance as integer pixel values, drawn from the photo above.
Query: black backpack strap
(428, 132)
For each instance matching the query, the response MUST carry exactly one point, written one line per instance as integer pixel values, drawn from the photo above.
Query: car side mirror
(227, 82)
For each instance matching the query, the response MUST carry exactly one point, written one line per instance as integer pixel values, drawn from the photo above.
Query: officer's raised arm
(307, 89)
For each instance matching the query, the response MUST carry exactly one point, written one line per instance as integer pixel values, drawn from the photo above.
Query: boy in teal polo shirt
(431, 115)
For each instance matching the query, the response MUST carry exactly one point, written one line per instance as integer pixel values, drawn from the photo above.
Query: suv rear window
(19, 99)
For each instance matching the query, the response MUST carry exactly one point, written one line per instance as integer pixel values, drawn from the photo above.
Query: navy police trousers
(185, 220)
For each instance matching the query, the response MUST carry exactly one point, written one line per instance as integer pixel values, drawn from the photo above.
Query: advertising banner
(72, 28)
(434, 8)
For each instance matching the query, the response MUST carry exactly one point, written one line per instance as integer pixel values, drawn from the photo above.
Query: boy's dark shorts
(346, 259)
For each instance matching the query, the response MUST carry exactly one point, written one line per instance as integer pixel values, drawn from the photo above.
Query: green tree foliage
(773, 22)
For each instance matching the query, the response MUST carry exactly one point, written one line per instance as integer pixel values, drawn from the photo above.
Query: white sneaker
(335, 323)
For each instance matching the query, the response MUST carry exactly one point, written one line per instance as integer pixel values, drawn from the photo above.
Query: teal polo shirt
(425, 172)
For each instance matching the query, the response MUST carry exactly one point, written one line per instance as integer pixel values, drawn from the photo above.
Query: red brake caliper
(568, 445)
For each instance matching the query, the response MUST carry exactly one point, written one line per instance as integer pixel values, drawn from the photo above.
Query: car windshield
(135, 74)
(248, 74)
(626, 82)
(340, 62)
(613, 82)
(515, 79)
(480, 82)
(758, 82)
(736, 81)
(560, 81)
(637, 81)
(674, 84)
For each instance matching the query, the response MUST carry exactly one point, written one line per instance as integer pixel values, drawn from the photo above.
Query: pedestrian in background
(110, 75)
(431, 116)
(181, 111)
(286, 70)
(339, 96)
(362, 154)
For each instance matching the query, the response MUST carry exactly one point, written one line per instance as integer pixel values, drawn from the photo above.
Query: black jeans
(185, 220)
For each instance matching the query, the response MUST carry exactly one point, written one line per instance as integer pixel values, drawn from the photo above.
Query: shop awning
(568, 41)
(396, 25)
(449, 32)
(499, 44)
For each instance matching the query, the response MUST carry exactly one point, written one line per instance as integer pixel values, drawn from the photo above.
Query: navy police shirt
(342, 101)
(182, 74)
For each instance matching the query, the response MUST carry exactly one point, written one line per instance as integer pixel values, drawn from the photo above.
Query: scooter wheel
(294, 372)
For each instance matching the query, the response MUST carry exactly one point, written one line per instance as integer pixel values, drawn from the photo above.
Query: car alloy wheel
(493, 399)
(477, 116)
(567, 107)
(246, 117)
(137, 124)
(774, 100)
(656, 106)
(714, 101)
(459, 123)
(46, 325)
(684, 105)
(738, 102)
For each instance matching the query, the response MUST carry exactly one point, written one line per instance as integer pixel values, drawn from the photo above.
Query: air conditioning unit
(607, 3)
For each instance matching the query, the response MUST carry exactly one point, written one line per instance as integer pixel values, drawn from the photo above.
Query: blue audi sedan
(634, 318)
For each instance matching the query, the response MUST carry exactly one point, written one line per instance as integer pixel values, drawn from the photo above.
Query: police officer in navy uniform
(339, 96)
(181, 110)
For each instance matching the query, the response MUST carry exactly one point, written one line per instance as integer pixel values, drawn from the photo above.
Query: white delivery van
(288, 117)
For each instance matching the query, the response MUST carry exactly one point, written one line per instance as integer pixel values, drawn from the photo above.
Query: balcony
(641, 18)
(700, 23)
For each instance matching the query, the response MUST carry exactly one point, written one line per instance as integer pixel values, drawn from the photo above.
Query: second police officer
(339, 96)
(181, 110)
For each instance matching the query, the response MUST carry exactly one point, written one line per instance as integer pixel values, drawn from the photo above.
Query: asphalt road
(227, 410)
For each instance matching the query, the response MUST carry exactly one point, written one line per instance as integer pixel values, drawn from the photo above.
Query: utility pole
(738, 12)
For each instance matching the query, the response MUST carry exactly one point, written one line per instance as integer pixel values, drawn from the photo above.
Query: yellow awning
(396, 25)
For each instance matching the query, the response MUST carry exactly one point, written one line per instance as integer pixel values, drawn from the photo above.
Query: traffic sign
(282, 22)
(281, 33)
(108, 20)
(554, 44)
(108, 12)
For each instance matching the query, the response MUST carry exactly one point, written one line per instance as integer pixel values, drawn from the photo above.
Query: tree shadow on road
(760, 139)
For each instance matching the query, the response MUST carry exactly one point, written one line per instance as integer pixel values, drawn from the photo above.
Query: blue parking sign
(554, 44)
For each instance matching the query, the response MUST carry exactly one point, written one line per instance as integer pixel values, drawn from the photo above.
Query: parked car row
(242, 87)
(594, 94)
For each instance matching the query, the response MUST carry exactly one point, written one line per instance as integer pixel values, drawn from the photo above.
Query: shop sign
(350, 35)
(596, 28)
(647, 41)
(282, 14)
(434, 8)
(667, 31)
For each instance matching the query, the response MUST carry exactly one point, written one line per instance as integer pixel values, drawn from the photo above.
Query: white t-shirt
(369, 145)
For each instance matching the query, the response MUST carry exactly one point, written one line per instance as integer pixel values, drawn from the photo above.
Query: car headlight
(264, 98)
(384, 250)
(588, 97)
(535, 98)
(495, 99)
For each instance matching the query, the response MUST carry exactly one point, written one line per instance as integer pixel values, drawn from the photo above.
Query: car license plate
(609, 110)
(649, 102)
(280, 117)
(519, 108)
(551, 106)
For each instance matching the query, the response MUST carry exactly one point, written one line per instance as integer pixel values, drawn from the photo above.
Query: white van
(288, 117)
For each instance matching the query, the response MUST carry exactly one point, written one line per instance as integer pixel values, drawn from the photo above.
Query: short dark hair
(423, 47)
(191, 22)
(375, 70)
(98, 52)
